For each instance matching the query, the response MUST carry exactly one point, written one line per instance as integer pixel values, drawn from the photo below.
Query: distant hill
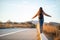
(28, 24)
(34, 22)
(54, 23)
(50, 23)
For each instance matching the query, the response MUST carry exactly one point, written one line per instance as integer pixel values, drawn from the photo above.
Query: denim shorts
(41, 21)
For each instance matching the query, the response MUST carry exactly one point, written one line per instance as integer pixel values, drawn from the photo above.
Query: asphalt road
(26, 34)
(23, 34)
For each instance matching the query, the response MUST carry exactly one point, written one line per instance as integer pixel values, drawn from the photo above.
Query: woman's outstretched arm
(46, 14)
(35, 15)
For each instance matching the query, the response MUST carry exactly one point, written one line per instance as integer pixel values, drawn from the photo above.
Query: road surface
(26, 34)
(23, 34)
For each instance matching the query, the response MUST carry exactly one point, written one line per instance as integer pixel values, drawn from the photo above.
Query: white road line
(43, 36)
(12, 32)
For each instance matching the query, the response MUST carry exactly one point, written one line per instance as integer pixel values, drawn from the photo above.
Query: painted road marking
(43, 37)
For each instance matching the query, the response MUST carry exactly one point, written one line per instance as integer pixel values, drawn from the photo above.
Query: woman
(40, 15)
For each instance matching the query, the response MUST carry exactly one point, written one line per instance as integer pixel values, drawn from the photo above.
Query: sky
(24, 10)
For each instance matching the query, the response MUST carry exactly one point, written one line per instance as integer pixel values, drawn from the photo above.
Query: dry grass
(52, 31)
(49, 28)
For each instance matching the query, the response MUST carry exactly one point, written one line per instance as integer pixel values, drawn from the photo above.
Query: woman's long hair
(40, 10)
